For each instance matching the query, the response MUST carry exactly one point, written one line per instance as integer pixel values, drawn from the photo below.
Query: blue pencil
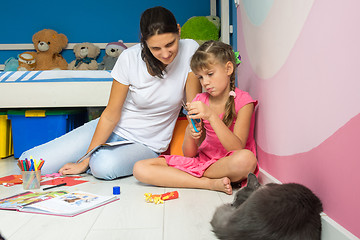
(32, 167)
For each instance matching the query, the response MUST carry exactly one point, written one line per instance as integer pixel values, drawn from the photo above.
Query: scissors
(190, 119)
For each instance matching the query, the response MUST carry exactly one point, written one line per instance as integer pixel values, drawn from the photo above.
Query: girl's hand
(199, 110)
(191, 130)
(74, 168)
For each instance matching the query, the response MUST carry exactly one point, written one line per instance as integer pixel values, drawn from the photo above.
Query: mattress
(62, 88)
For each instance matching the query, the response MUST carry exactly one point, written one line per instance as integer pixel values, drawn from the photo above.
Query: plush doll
(112, 52)
(201, 28)
(11, 64)
(48, 45)
(27, 61)
(86, 54)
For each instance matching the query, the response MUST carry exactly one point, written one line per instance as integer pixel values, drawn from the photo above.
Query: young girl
(222, 148)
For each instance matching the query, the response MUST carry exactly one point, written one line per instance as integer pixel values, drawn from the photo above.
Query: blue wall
(85, 21)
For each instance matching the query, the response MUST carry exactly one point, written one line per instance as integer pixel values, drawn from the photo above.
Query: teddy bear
(112, 52)
(27, 61)
(86, 54)
(48, 45)
(201, 28)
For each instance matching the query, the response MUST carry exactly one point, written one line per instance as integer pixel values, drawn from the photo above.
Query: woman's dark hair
(153, 21)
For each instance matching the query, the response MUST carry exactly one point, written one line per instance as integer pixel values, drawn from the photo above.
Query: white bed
(63, 88)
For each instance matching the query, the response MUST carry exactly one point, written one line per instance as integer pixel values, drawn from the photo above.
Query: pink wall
(301, 61)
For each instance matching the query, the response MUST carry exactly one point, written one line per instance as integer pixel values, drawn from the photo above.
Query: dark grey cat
(269, 212)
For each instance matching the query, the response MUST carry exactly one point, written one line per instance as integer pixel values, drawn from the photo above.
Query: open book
(60, 203)
(88, 154)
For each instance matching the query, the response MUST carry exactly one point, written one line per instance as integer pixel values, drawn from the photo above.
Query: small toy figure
(27, 61)
(112, 52)
(160, 198)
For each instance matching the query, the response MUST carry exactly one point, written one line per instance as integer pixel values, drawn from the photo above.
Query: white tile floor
(130, 218)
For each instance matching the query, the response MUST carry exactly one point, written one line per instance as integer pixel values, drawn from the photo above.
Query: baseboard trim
(331, 230)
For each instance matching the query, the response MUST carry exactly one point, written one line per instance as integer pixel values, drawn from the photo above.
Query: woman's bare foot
(222, 184)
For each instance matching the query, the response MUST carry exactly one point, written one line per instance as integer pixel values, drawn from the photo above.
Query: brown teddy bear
(27, 61)
(48, 44)
(86, 54)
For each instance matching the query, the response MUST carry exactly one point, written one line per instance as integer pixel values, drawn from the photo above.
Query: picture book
(21, 200)
(60, 203)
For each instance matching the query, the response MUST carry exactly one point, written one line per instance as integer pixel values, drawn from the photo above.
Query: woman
(149, 83)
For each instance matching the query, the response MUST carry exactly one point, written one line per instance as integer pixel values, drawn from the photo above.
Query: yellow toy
(160, 198)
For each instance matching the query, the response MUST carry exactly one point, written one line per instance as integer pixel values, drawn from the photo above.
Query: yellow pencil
(35, 165)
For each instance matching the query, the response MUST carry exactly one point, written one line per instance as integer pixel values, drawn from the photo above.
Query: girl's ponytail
(230, 112)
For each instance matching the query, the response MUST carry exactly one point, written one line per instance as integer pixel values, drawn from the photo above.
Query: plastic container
(6, 146)
(31, 179)
(31, 128)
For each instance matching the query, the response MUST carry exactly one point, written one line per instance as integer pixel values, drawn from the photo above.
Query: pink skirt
(195, 165)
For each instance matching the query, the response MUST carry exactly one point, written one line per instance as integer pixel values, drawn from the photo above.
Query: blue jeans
(106, 163)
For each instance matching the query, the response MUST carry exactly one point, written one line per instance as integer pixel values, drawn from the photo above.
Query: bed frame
(63, 88)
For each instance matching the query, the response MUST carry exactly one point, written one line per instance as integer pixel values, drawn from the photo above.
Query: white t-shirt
(152, 104)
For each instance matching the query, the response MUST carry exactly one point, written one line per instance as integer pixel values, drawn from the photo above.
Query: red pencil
(27, 165)
(24, 165)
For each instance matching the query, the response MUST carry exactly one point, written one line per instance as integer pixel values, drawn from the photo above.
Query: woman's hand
(74, 168)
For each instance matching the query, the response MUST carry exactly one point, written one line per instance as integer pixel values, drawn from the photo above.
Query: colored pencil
(41, 164)
(19, 164)
(27, 165)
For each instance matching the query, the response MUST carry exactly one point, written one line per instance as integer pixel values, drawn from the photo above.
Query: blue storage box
(31, 128)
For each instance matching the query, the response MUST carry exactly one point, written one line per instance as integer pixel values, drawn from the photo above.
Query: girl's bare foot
(222, 184)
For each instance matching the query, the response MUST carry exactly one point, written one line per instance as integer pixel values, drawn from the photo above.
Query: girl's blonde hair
(210, 53)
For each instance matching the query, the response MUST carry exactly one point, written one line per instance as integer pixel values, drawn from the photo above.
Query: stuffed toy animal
(201, 28)
(48, 45)
(112, 52)
(86, 54)
(11, 64)
(27, 61)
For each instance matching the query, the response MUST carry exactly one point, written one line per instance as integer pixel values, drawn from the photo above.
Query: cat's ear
(252, 181)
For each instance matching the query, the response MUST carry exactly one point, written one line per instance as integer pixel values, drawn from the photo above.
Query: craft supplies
(192, 121)
(59, 185)
(69, 180)
(160, 198)
(30, 165)
(31, 172)
(116, 190)
(31, 179)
